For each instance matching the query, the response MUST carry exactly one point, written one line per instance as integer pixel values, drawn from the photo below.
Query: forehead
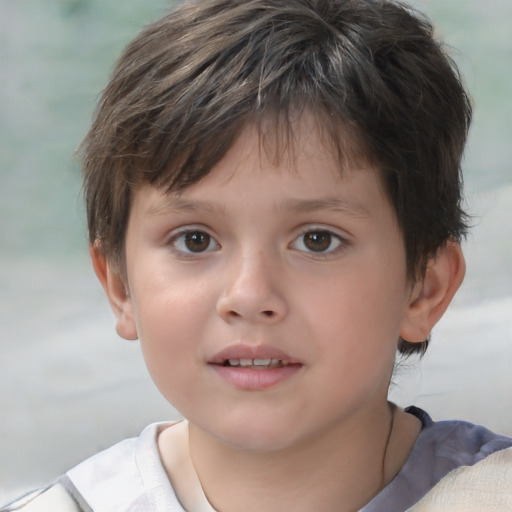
(287, 138)
(302, 175)
(279, 137)
(279, 140)
(268, 147)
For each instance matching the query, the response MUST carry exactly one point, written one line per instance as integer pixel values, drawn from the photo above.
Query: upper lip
(243, 351)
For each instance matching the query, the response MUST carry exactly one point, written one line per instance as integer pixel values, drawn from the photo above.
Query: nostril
(268, 313)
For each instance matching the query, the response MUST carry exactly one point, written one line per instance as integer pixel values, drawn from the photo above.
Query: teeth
(261, 362)
(256, 362)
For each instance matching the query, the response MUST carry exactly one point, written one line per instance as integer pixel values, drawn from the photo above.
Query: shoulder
(487, 485)
(450, 444)
(441, 449)
(459, 454)
(125, 477)
(55, 498)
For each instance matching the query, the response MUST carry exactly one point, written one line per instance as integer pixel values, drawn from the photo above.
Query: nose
(253, 292)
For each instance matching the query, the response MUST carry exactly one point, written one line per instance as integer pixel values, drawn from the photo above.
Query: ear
(431, 296)
(116, 290)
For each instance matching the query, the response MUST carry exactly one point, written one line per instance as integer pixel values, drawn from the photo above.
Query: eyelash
(179, 238)
(341, 241)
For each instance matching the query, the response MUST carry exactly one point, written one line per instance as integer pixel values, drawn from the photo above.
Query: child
(273, 195)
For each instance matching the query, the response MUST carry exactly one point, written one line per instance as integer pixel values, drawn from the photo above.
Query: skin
(295, 256)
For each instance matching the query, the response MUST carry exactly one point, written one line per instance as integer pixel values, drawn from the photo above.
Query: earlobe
(115, 288)
(430, 297)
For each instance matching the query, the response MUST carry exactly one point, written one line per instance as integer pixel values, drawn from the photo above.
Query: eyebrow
(346, 206)
(179, 205)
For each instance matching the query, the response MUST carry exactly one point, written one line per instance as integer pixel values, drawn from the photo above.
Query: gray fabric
(441, 447)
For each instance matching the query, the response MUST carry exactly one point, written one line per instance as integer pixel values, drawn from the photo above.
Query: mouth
(255, 364)
(254, 367)
(257, 357)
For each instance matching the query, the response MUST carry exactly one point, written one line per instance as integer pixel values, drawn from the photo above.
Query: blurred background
(68, 386)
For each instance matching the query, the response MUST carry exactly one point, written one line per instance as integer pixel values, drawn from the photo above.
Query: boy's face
(298, 266)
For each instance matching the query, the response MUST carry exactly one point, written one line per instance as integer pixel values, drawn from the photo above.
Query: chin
(257, 442)
(257, 435)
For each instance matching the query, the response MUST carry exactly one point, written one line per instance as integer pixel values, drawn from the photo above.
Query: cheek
(360, 313)
(170, 318)
(358, 340)
(168, 324)
(168, 340)
(168, 304)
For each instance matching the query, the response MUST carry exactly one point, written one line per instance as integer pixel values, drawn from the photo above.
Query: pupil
(197, 241)
(318, 241)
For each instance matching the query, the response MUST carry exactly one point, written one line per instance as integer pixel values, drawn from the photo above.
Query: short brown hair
(368, 70)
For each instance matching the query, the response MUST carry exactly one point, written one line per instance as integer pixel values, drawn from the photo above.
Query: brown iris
(197, 241)
(318, 241)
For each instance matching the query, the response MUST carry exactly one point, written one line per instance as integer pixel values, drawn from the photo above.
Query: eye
(194, 241)
(318, 241)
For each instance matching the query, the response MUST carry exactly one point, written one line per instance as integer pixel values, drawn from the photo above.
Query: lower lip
(250, 379)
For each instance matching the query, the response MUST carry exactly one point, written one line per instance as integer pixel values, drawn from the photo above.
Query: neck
(341, 470)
